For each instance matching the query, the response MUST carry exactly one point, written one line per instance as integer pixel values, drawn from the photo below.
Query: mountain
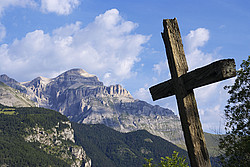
(84, 99)
(13, 83)
(13, 97)
(107, 147)
(31, 136)
(212, 142)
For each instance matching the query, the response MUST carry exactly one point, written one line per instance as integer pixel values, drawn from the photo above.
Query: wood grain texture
(194, 137)
(164, 89)
(214, 72)
(182, 84)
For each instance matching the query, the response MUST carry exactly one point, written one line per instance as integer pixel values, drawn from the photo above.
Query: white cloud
(194, 55)
(143, 94)
(160, 67)
(67, 30)
(212, 119)
(192, 42)
(106, 47)
(206, 92)
(61, 7)
(23, 3)
(196, 38)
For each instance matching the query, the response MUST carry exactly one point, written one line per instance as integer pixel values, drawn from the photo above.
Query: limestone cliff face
(84, 99)
(59, 142)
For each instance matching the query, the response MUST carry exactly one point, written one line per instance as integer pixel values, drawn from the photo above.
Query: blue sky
(120, 42)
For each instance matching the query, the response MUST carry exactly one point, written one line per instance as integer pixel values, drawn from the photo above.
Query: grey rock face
(13, 97)
(13, 83)
(60, 143)
(84, 99)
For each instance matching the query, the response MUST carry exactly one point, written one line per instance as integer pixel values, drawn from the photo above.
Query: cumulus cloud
(106, 47)
(61, 7)
(192, 42)
(196, 38)
(194, 55)
(143, 94)
(160, 67)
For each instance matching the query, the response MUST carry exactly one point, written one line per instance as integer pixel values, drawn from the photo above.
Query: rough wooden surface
(214, 72)
(188, 111)
(162, 90)
(182, 85)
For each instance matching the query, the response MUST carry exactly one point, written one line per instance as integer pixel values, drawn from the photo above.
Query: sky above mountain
(120, 42)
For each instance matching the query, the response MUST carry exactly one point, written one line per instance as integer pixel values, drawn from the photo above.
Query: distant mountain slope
(212, 142)
(107, 147)
(84, 99)
(37, 137)
(13, 83)
(13, 97)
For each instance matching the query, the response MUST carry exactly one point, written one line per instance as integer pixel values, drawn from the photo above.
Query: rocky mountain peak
(38, 81)
(4, 77)
(7, 80)
(78, 72)
(76, 77)
(12, 83)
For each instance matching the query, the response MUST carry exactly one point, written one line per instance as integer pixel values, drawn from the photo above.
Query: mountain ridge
(84, 99)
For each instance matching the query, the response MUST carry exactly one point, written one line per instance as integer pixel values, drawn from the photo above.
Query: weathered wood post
(182, 84)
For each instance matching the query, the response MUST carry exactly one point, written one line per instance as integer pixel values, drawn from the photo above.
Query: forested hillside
(107, 147)
(15, 151)
(103, 145)
(35, 137)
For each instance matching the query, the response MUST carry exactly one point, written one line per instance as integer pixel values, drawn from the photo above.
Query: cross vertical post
(193, 133)
(182, 85)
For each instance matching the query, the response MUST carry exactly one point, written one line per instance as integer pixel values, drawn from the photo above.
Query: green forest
(107, 147)
(103, 145)
(15, 151)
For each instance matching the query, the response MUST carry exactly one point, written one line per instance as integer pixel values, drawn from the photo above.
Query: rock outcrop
(59, 142)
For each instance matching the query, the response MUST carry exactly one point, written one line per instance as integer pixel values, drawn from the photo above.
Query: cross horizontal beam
(214, 72)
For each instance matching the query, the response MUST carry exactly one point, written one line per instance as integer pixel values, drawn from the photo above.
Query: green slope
(212, 142)
(107, 147)
(14, 150)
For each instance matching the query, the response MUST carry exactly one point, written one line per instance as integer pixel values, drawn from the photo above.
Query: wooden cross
(182, 84)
